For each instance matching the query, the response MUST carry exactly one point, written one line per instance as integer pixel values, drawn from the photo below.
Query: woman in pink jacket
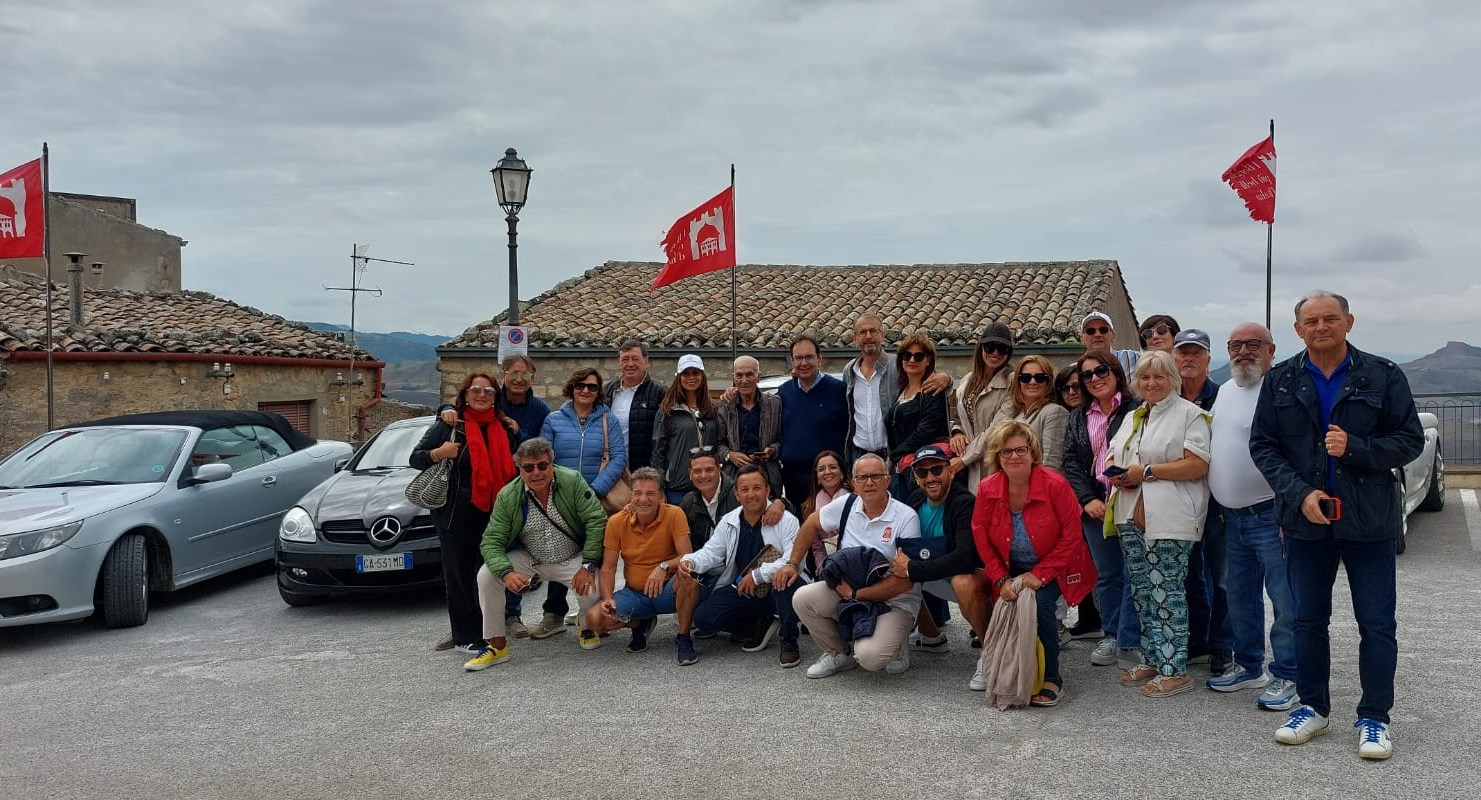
(1027, 526)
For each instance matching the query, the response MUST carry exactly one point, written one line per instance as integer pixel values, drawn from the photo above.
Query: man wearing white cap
(1097, 332)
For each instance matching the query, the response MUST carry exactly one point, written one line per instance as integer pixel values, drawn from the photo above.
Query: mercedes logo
(385, 531)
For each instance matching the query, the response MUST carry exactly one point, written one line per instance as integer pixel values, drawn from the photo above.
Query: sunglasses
(1160, 330)
(1101, 331)
(534, 584)
(914, 355)
(488, 390)
(702, 450)
(519, 375)
(587, 387)
(924, 472)
(1087, 375)
(1033, 377)
(1253, 345)
(1070, 387)
(996, 349)
(538, 466)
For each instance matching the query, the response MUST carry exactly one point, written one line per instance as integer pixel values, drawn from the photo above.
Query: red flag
(1252, 177)
(701, 241)
(22, 212)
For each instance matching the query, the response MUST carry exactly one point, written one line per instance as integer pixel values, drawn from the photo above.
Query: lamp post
(512, 182)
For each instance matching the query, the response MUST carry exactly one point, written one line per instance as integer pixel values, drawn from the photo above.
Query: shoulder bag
(621, 492)
(429, 488)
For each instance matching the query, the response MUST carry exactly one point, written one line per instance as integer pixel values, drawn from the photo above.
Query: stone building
(134, 257)
(154, 351)
(580, 322)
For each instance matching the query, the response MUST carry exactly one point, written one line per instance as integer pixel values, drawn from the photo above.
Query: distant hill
(1456, 367)
(392, 348)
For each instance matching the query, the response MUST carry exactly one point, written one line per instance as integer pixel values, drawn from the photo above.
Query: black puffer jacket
(639, 420)
(1079, 458)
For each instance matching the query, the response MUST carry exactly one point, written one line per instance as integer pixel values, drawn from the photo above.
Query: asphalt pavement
(229, 693)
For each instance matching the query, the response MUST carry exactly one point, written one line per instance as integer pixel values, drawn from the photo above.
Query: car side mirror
(210, 473)
(340, 465)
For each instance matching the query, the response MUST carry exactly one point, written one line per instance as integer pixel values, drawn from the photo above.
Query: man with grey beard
(1255, 562)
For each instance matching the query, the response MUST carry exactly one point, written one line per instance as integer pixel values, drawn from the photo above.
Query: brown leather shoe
(790, 656)
(549, 626)
(515, 627)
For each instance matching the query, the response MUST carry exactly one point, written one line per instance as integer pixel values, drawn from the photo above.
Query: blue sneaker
(1373, 739)
(1303, 725)
(684, 649)
(639, 641)
(1236, 678)
(1280, 695)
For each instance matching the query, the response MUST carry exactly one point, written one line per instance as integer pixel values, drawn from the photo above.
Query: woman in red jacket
(1027, 526)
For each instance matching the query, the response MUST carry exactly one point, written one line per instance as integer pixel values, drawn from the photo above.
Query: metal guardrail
(1460, 425)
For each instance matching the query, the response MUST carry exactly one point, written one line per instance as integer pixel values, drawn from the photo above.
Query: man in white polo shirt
(1255, 563)
(874, 520)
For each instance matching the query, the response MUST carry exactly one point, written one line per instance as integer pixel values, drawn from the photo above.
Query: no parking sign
(514, 340)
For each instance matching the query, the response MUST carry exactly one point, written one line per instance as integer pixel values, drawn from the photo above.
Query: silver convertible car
(94, 517)
(1422, 481)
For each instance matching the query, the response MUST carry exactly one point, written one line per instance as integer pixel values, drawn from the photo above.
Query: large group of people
(1126, 494)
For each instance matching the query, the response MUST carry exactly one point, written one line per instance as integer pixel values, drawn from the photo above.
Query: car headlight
(16, 545)
(297, 526)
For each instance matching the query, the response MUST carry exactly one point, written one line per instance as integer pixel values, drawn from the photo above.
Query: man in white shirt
(634, 399)
(874, 520)
(1255, 562)
(872, 388)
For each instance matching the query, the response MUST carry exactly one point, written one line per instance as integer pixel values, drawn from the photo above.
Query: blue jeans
(728, 610)
(1112, 587)
(1371, 573)
(1208, 602)
(632, 604)
(1257, 566)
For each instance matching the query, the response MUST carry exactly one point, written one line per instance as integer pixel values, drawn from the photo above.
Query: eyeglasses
(914, 355)
(488, 390)
(924, 472)
(702, 450)
(804, 358)
(1100, 331)
(872, 477)
(827, 468)
(535, 466)
(519, 375)
(587, 387)
(1033, 377)
(1087, 375)
(1253, 345)
(996, 349)
(1014, 452)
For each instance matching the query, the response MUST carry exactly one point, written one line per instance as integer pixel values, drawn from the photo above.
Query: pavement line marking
(1473, 516)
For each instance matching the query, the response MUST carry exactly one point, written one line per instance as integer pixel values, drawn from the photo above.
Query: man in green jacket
(554, 523)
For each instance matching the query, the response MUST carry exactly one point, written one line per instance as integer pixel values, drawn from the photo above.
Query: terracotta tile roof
(1043, 302)
(121, 321)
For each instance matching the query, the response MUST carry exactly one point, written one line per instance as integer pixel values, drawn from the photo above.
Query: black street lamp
(512, 182)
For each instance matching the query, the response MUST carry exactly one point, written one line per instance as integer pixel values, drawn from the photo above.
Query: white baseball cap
(1097, 315)
(689, 361)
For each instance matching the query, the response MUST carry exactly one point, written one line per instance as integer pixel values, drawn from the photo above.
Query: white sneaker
(829, 663)
(571, 617)
(1374, 743)
(930, 644)
(979, 680)
(1105, 653)
(900, 664)
(1303, 725)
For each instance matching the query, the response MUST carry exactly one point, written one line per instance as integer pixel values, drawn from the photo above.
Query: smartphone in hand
(1113, 470)
(1331, 508)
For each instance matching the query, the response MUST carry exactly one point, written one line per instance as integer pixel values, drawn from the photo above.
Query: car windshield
(93, 457)
(391, 448)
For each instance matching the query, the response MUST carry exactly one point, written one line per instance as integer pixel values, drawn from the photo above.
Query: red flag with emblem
(22, 212)
(1252, 177)
(701, 241)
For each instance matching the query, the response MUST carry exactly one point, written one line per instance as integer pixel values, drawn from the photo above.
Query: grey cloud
(1380, 248)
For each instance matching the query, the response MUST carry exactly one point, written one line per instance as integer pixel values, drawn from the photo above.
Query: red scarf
(493, 466)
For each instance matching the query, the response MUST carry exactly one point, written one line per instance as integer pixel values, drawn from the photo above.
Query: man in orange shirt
(650, 535)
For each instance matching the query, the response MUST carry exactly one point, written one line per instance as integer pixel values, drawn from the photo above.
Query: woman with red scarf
(483, 463)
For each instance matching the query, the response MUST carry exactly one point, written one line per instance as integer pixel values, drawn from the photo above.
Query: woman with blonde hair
(1032, 395)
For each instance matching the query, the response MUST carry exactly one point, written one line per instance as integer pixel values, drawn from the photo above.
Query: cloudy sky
(273, 135)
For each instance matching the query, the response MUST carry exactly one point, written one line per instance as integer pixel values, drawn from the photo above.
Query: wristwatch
(663, 565)
(1147, 475)
(853, 594)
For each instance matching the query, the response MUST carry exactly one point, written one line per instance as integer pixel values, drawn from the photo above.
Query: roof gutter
(200, 358)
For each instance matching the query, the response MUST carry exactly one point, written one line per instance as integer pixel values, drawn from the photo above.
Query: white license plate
(383, 562)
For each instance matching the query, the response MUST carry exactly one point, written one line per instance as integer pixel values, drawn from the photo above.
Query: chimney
(74, 287)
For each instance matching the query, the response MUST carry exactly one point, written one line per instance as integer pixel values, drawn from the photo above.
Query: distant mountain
(1456, 367)
(392, 348)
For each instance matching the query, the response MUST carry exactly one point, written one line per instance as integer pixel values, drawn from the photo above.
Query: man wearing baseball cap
(1097, 332)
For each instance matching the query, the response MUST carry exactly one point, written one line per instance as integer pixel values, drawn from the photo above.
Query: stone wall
(135, 257)
(87, 390)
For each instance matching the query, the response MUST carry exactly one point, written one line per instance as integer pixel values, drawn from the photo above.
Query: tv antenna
(359, 261)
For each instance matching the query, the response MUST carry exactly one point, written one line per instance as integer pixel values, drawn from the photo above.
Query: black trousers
(461, 559)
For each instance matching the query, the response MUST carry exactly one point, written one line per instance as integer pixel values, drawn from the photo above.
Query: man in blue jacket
(1331, 425)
